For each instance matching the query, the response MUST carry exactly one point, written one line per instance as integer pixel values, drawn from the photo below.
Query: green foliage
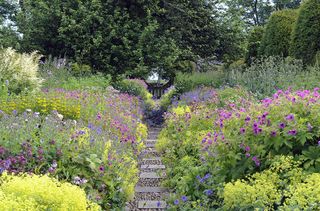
(254, 42)
(33, 192)
(137, 88)
(166, 99)
(89, 138)
(58, 75)
(277, 36)
(266, 75)
(19, 71)
(80, 69)
(227, 135)
(283, 186)
(192, 25)
(185, 82)
(305, 38)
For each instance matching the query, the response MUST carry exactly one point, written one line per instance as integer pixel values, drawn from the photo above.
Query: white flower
(60, 116)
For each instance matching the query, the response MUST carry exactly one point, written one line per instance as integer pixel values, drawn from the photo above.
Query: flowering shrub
(225, 135)
(25, 192)
(19, 71)
(98, 152)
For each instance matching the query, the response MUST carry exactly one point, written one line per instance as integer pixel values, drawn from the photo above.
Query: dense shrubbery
(137, 88)
(19, 71)
(185, 82)
(254, 42)
(25, 192)
(284, 186)
(266, 75)
(305, 38)
(277, 36)
(58, 74)
(98, 152)
(167, 98)
(206, 143)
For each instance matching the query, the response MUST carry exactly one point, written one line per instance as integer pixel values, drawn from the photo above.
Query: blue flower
(184, 198)
(208, 192)
(207, 176)
(176, 202)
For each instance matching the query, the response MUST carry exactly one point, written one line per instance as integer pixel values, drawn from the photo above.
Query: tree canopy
(135, 37)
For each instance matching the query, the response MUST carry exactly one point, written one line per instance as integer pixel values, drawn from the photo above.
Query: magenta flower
(101, 168)
(290, 117)
(247, 149)
(256, 160)
(292, 132)
(282, 125)
(273, 133)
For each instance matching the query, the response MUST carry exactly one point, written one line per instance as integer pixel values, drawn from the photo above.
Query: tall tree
(192, 24)
(8, 35)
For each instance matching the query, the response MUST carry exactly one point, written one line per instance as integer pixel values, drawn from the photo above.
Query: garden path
(149, 195)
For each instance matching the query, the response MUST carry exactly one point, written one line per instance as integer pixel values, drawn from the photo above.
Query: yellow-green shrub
(304, 195)
(284, 186)
(19, 71)
(33, 192)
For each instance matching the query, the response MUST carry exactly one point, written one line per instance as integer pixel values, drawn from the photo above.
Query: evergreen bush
(277, 36)
(305, 43)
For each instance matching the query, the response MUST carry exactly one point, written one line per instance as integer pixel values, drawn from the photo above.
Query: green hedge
(277, 36)
(305, 42)
(186, 82)
(254, 42)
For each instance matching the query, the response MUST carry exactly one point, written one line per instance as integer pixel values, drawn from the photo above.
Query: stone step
(151, 140)
(152, 167)
(152, 204)
(149, 189)
(150, 175)
(150, 144)
(151, 150)
(152, 159)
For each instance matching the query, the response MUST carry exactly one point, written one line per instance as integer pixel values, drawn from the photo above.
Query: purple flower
(247, 119)
(290, 117)
(208, 192)
(248, 155)
(158, 204)
(292, 132)
(51, 170)
(247, 149)
(319, 143)
(184, 198)
(101, 168)
(309, 126)
(207, 176)
(256, 160)
(273, 133)
(282, 125)
(176, 202)
(242, 130)
(82, 132)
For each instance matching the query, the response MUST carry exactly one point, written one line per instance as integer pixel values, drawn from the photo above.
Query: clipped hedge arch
(277, 36)
(305, 42)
